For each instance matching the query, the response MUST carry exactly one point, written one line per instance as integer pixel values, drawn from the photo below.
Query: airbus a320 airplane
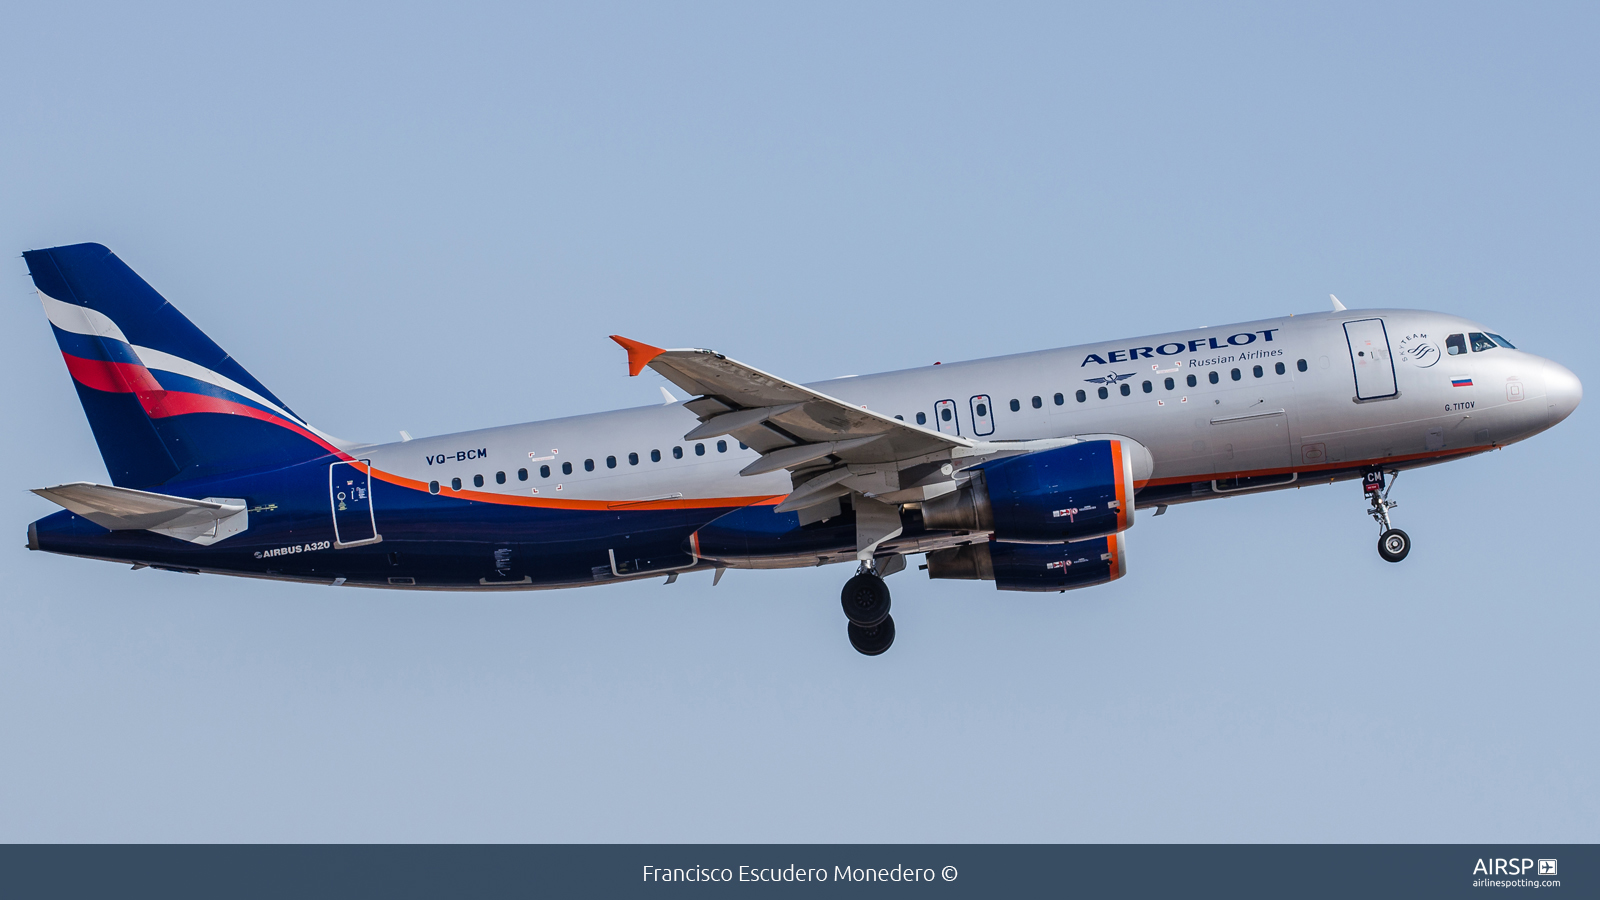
(1022, 470)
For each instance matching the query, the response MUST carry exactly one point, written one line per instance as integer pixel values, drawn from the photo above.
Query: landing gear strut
(866, 604)
(1393, 544)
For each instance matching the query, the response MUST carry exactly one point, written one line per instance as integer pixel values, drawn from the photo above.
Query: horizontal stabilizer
(124, 509)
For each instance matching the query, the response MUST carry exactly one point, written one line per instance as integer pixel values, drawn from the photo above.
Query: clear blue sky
(430, 218)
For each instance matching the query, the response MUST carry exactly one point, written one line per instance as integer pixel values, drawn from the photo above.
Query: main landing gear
(1393, 544)
(866, 604)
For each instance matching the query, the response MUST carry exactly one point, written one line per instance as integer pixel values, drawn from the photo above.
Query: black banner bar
(800, 870)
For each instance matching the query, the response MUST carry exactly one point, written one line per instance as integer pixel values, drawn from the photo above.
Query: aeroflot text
(791, 873)
(1176, 347)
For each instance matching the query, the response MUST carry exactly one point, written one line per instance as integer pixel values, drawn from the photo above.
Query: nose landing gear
(865, 599)
(1393, 544)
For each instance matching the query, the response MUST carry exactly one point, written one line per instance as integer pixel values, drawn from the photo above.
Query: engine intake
(1071, 493)
(1034, 567)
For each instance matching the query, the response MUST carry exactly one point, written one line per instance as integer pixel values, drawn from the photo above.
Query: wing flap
(830, 447)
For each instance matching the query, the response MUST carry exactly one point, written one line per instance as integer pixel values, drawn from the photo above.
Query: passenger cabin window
(1257, 372)
(611, 462)
(433, 487)
(1125, 390)
(499, 478)
(566, 468)
(1236, 375)
(1301, 365)
(655, 456)
(1480, 341)
(544, 471)
(922, 418)
(477, 481)
(945, 414)
(1015, 405)
(1060, 400)
(1103, 393)
(1455, 344)
(1038, 402)
(699, 449)
(633, 459)
(1148, 387)
(1501, 341)
(722, 446)
(1082, 396)
(522, 474)
(1278, 368)
(1169, 384)
(677, 453)
(588, 465)
(455, 484)
(982, 409)
(1191, 381)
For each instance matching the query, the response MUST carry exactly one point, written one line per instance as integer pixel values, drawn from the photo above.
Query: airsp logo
(1512, 867)
(1418, 350)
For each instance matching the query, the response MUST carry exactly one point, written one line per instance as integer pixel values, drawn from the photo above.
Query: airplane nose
(1562, 390)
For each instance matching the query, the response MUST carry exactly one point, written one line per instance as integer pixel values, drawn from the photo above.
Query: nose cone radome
(1562, 389)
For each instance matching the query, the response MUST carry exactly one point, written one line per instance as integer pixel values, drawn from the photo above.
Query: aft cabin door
(1369, 354)
(350, 493)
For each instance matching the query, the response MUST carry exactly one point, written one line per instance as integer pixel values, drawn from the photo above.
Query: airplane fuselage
(1223, 411)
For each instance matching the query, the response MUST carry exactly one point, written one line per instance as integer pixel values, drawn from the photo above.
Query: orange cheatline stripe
(639, 353)
(1324, 467)
(604, 505)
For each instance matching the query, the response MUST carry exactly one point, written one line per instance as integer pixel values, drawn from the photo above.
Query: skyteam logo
(1419, 350)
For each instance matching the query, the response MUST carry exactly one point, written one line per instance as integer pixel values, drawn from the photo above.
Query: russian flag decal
(1461, 381)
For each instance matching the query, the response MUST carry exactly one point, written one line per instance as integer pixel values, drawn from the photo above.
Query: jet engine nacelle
(1072, 493)
(1034, 567)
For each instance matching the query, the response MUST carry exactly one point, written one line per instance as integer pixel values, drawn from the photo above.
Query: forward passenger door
(1370, 357)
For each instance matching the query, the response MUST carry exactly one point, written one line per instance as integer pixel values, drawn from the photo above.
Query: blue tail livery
(166, 404)
(1024, 471)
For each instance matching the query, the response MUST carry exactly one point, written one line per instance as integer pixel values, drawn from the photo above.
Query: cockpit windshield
(1480, 341)
(1502, 341)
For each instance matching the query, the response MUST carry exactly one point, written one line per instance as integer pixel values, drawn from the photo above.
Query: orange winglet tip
(639, 354)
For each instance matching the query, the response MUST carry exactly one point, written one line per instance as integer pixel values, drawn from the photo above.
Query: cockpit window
(1502, 341)
(1480, 341)
(1456, 344)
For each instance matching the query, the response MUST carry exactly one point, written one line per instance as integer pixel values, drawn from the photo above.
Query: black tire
(1393, 545)
(865, 599)
(872, 641)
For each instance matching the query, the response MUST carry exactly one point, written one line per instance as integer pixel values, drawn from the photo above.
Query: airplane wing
(830, 447)
(124, 509)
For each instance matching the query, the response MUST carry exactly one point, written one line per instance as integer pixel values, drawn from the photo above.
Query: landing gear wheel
(866, 602)
(872, 641)
(1393, 545)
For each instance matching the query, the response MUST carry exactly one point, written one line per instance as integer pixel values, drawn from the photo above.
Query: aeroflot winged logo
(1174, 348)
(1113, 378)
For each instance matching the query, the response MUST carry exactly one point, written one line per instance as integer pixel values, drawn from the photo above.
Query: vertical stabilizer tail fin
(164, 401)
